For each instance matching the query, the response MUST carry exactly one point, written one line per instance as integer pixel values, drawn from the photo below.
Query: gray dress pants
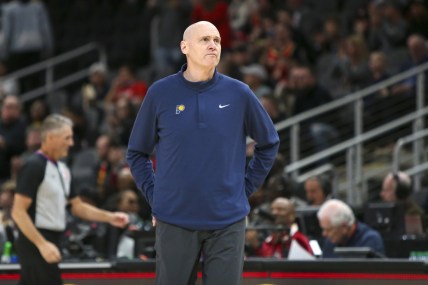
(179, 250)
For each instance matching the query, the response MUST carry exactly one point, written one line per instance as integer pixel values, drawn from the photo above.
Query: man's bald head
(283, 202)
(283, 211)
(190, 31)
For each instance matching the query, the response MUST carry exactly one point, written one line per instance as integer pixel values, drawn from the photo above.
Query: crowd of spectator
(295, 55)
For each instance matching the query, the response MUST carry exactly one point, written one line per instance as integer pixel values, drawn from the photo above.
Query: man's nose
(212, 44)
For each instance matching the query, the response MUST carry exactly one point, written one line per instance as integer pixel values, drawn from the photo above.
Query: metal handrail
(48, 66)
(328, 167)
(356, 140)
(58, 59)
(356, 99)
(79, 75)
(417, 169)
(350, 98)
(400, 143)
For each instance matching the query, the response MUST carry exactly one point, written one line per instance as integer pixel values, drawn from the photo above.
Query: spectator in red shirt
(217, 13)
(278, 243)
(127, 85)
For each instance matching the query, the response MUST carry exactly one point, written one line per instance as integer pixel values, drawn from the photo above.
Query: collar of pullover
(201, 85)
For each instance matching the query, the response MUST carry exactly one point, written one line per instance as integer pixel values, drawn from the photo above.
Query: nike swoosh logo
(223, 106)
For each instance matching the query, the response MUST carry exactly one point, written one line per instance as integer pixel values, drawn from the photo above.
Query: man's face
(125, 75)
(282, 213)
(387, 193)
(335, 234)
(129, 202)
(269, 106)
(417, 48)
(10, 110)
(97, 78)
(33, 140)
(102, 146)
(202, 46)
(377, 62)
(6, 199)
(314, 193)
(61, 140)
(301, 78)
(115, 155)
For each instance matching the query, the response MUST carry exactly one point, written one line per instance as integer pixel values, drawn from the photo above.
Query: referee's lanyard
(62, 182)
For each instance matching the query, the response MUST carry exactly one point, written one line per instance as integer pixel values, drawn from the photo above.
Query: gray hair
(403, 178)
(52, 123)
(337, 212)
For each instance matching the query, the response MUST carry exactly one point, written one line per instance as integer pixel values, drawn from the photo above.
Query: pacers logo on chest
(179, 109)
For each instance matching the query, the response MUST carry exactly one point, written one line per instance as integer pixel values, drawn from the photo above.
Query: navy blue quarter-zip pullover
(198, 132)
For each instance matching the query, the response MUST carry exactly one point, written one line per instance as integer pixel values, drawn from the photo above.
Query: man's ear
(183, 46)
(50, 136)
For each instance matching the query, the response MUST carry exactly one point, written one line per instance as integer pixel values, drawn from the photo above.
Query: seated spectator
(304, 19)
(393, 29)
(417, 17)
(354, 67)
(32, 143)
(327, 40)
(348, 69)
(98, 86)
(418, 51)
(376, 112)
(397, 187)
(121, 242)
(278, 243)
(318, 132)
(255, 75)
(281, 186)
(128, 202)
(12, 134)
(361, 23)
(214, 11)
(39, 110)
(80, 127)
(271, 106)
(125, 181)
(126, 85)
(304, 41)
(119, 120)
(281, 44)
(341, 229)
(102, 167)
(317, 190)
(108, 171)
(91, 99)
